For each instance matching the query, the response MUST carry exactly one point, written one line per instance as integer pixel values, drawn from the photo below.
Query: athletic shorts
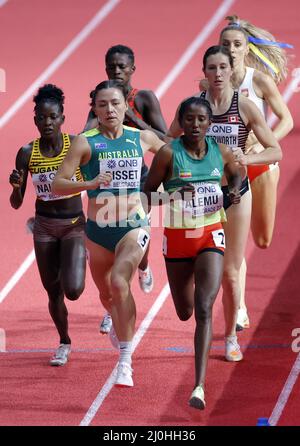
(109, 236)
(186, 244)
(254, 171)
(243, 189)
(48, 229)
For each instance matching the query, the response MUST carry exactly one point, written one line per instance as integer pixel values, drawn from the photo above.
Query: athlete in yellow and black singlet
(58, 230)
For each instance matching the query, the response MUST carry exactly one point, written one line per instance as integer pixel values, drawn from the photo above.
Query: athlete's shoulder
(145, 92)
(145, 96)
(70, 136)
(27, 149)
(90, 133)
(131, 129)
(24, 155)
(263, 80)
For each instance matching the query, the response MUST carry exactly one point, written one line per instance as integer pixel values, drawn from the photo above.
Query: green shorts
(109, 236)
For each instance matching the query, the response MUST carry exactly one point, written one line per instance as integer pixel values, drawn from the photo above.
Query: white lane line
(285, 393)
(60, 59)
(136, 340)
(17, 275)
(293, 87)
(193, 47)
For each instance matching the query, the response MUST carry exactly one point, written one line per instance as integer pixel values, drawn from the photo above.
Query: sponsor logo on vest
(42, 177)
(100, 145)
(232, 118)
(245, 92)
(111, 164)
(215, 173)
(131, 142)
(185, 174)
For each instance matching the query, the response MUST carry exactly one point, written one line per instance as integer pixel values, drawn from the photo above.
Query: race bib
(207, 200)
(42, 183)
(126, 172)
(219, 238)
(143, 239)
(224, 133)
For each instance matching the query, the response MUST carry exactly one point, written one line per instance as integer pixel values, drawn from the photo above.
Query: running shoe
(113, 338)
(197, 398)
(124, 375)
(105, 325)
(242, 320)
(61, 355)
(146, 280)
(232, 349)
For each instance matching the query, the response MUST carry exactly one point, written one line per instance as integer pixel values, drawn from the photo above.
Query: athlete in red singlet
(144, 113)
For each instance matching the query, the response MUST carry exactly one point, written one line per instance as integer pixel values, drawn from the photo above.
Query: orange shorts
(188, 243)
(254, 171)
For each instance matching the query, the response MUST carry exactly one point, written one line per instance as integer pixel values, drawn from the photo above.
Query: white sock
(125, 351)
(144, 271)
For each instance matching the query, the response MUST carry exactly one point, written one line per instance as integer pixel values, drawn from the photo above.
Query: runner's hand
(239, 156)
(16, 178)
(234, 195)
(187, 192)
(101, 178)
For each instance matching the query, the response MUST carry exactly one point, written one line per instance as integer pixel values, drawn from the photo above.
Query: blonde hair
(275, 54)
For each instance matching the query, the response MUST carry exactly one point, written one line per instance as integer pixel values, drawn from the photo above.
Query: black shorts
(52, 229)
(243, 189)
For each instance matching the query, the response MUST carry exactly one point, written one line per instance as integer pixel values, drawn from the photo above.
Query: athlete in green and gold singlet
(117, 232)
(191, 169)
(143, 113)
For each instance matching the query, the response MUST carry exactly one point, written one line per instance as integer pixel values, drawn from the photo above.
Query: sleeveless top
(229, 128)
(43, 170)
(205, 175)
(246, 88)
(122, 157)
(130, 100)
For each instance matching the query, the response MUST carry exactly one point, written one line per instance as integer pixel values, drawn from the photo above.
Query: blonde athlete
(259, 64)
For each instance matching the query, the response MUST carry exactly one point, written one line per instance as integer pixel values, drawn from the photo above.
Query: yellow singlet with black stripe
(43, 170)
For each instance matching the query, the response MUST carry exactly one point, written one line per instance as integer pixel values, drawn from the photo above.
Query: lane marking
(108, 385)
(2, 2)
(285, 393)
(60, 59)
(17, 276)
(292, 88)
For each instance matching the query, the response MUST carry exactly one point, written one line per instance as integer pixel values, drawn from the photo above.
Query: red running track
(33, 393)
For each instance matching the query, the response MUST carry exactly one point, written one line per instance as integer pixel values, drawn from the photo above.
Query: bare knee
(263, 242)
(230, 278)
(185, 314)
(73, 293)
(203, 311)
(119, 287)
